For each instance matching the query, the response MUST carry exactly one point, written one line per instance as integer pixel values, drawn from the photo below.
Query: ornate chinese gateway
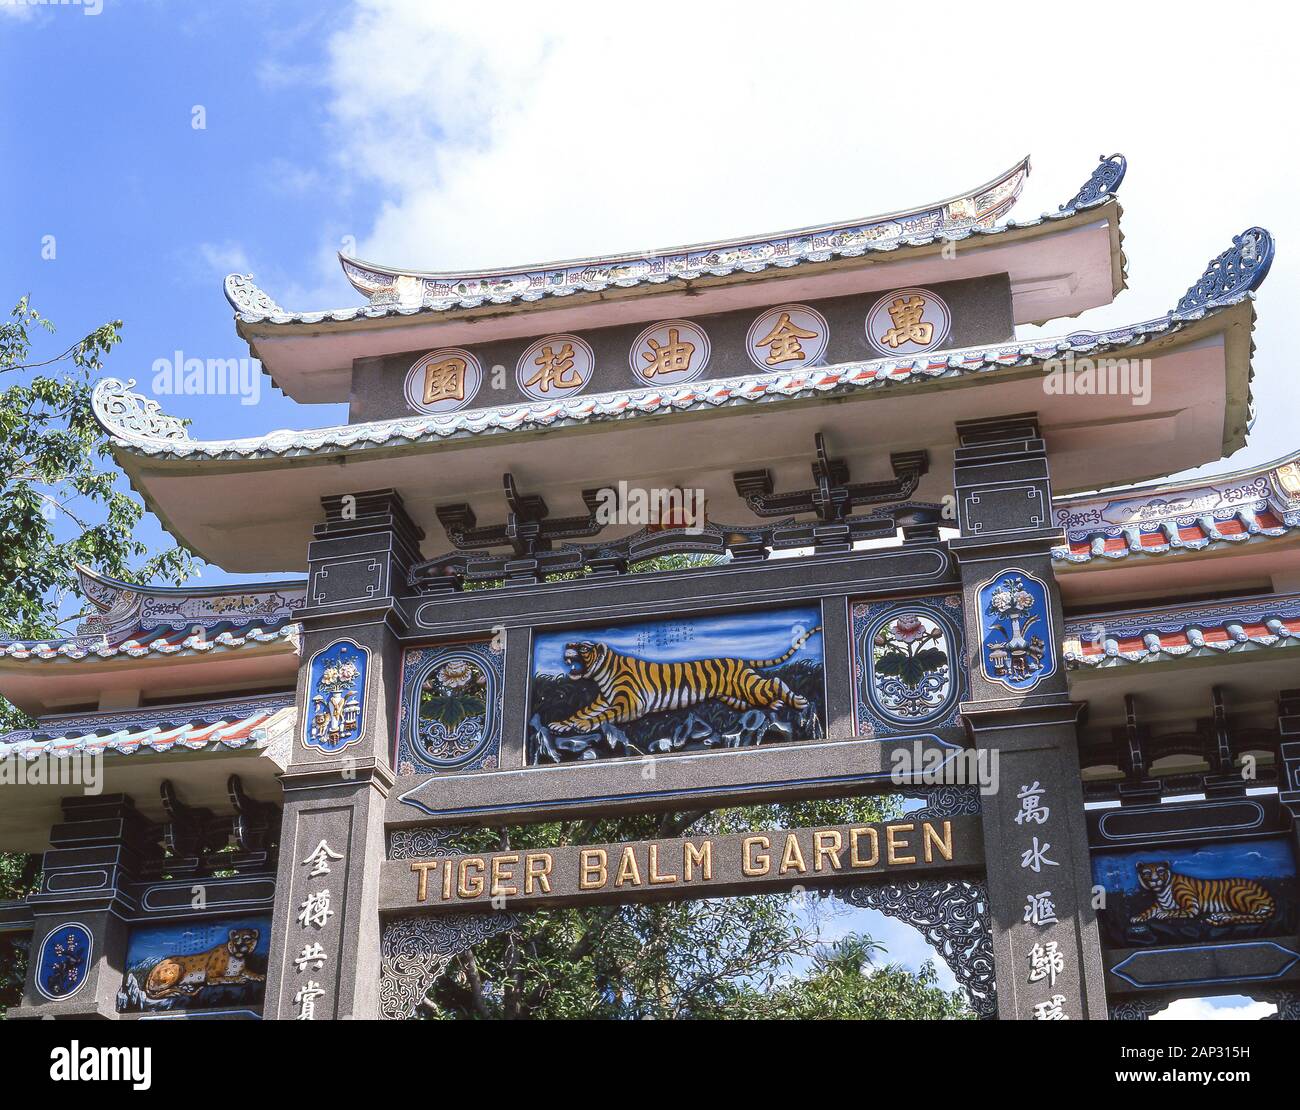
(552, 570)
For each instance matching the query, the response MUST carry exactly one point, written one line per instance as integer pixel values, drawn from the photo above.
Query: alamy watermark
(932, 766)
(662, 508)
(180, 376)
(85, 770)
(1098, 377)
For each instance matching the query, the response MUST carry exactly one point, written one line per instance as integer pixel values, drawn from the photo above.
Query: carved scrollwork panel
(953, 916)
(414, 951)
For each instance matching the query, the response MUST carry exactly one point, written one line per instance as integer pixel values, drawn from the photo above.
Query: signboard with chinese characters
(693, 867)
(674, 351)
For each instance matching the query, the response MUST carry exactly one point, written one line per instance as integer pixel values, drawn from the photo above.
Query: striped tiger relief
(1214, 901)
(685, 684)
(631, 688)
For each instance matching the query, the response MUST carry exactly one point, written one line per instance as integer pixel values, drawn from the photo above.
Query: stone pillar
(1045, 939)
(1288, 728)
(81, 905)
(325, 937)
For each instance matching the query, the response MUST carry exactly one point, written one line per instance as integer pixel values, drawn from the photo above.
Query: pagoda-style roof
(249, 737)
(1178, 632)
(1190, 515)
(218, 499)
(142, 639)
(1059, 265)
(974, 210)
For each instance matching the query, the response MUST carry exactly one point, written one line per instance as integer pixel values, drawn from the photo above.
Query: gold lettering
(593, 872)
(701, 857)
(747, 864)
(933, 840)
(536, 867)
(783, 341)
(855, 858)
(557, 370)
(464, 886)
(422, 868)
(893, 848)
(445, 380)
(655, 877)
(500, 876)
(792, 857)
(448, 873)
(828, 844)
(628, 872)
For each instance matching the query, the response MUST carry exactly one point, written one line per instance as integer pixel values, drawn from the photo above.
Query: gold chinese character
(908, 326)
(556, 370)
(445, 380)
(668, 358)
(783, 341)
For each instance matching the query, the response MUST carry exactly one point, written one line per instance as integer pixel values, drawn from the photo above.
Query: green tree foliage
(52, 456)
(59, 506)
(715, 958)
(845, 983)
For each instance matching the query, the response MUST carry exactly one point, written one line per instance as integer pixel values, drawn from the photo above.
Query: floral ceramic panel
(1018, 648)
(451, 708)
(336, 696)
(908, 665)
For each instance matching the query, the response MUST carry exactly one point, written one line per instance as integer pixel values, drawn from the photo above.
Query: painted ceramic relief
(64, 961)
(1019, 647)
(451, 708)
(196, 966)
(687, 684)
(1221, 891)
(908, 322)
(336, 696)
(908, 668)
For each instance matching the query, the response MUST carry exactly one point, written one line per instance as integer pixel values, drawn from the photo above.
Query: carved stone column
(1045, 938)
(325, 940)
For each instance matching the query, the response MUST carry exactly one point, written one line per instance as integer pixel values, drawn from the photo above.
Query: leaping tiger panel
(681, 684)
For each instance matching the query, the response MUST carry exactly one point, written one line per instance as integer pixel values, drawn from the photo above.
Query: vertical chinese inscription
(313, 929)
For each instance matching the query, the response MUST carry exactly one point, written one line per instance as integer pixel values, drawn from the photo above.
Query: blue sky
(432, 135)
(763, 635)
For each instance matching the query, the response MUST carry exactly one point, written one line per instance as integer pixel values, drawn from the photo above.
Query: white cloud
(224, 258)
(1206, 1009)
(521, 131)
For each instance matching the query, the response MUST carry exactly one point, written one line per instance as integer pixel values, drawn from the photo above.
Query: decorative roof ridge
(96, 586)
(82, 647)
(1177, 630)
(198, 709)
(118, 409)
(1240, 506)
(256, 726)
(962, 210)
(394, 292)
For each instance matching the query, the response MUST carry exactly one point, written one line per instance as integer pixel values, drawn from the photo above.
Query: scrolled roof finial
(1240, 269)
(1105, 179)
(245, 296)
(122, 412)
